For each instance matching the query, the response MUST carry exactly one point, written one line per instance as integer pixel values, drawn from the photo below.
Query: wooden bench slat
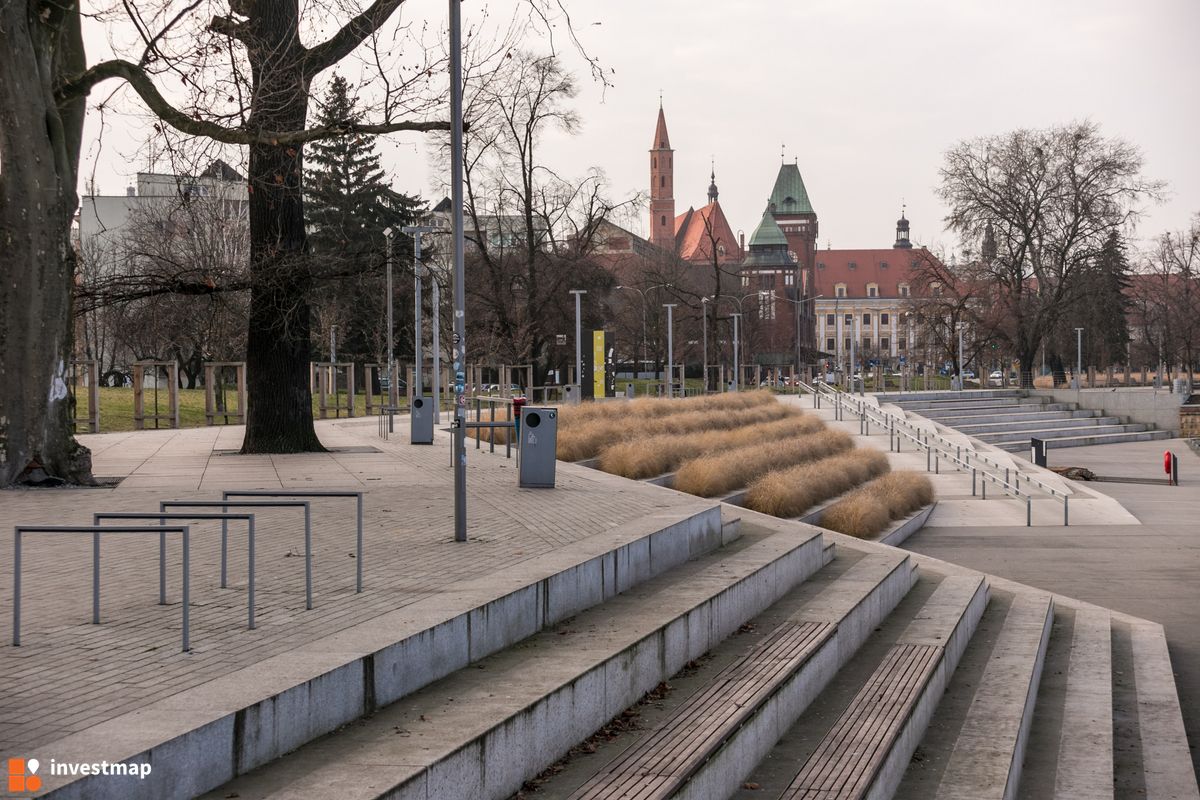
(847, 759)
(681, 744)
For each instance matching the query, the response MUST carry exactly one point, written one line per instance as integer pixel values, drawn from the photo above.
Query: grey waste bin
(571, 394)
(422, 420)
(629, 391)
(538, 450)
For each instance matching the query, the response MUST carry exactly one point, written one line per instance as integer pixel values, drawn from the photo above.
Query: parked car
(996, 378)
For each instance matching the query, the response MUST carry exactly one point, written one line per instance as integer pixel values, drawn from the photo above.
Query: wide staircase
(1007, 419)
(786, 663)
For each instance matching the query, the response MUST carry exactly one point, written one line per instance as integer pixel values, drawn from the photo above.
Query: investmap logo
(23, 772)
(22, 775)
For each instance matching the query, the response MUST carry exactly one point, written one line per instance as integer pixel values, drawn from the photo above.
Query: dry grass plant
(655, 455)
(587, 439)
(710, 476)
(869, 510)
(645, 407)
(791, 492)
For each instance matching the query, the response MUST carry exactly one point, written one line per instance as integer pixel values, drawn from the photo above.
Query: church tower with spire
(662, 187)
(902, 240)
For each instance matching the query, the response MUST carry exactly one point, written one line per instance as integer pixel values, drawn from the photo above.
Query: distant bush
(869, 509)
(721, 473)
(645, 458)
(791, 492)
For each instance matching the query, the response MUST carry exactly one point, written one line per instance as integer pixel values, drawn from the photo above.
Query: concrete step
(975, 746)
(204, 736)
(1022, 445)
(969, 394)
(948, 416)
(483, 731)
(1054, 431)
(1029, 416)
(1012, 427)
(920, 406)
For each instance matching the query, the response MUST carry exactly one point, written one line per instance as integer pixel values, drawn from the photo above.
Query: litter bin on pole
(422, 420)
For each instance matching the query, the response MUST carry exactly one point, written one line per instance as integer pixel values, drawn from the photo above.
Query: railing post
(1066, 517)
(308, 556)
(972, 481)
(1029, 511)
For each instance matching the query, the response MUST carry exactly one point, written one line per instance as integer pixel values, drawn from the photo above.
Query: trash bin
(538, 448)
(422, 420)
(571, 394)
(629, 391)
(1038, 450)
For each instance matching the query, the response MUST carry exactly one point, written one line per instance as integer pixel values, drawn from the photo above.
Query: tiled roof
(858, 268)
(693, 241)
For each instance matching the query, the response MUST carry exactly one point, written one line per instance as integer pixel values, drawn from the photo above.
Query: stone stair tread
(421, 739)
(1085, 754)
(1166, 758)
(1022, 445)
(987, 755)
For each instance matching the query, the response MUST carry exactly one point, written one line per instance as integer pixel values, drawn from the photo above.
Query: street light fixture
(415, 231)
(1078, 357)
(642, 292)
(391, 358)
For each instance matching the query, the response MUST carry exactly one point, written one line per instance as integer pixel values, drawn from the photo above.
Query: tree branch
(81, 85)
(352, 34)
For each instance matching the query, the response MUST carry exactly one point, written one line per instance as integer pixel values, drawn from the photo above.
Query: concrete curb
(907, 527)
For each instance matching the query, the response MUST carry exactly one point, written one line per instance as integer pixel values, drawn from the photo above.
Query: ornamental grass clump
(868, 510)
(587, 438)
(721, 473)
(791, 492)
(646, 407)
(645, 458)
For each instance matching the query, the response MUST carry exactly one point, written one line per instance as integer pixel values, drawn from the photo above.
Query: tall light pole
(460, 293)
(578, 343)
(799, 311)
(391, 358)
(670, 307)
(1078, 357)
(437, 347)
(415, 232)
(704, 336)
(737, 367)
(961, 384)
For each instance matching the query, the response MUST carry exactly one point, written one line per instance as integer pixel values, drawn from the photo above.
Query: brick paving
(69, 675)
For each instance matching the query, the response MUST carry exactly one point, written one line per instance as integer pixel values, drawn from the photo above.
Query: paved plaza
(69, 675)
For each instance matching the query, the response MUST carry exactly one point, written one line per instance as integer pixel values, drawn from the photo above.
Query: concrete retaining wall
(1160, 409)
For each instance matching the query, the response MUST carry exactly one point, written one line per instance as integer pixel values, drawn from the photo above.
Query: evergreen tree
(349, 203)
(1108, 304)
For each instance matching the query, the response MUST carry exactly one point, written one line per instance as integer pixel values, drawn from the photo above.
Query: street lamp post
(1078, 357)
(391, 358)
(437, 348)
(704, 336)
(670, 307)
(415, 232)
(642, 292)
(799, 312)
(737, 369)
(961, 370)
(460, 292)
(578, 343)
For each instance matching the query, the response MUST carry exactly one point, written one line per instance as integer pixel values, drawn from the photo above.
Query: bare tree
(1051, 197)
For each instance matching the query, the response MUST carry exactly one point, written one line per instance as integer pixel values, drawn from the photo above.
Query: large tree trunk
(279, 414)
(39, 157)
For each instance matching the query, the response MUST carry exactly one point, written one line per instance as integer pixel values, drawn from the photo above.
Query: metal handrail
(943, 447)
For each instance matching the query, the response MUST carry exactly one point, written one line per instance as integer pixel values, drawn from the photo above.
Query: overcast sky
(865, 95)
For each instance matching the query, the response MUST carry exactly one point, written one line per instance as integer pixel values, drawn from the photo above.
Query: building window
(820, 265)
(745, 281)
(866, 319)
(902, 344)
(720, 249)
(654, 163)
(872, 290)
(884, 319)
(866, 345)
(830, 319)
(883, 265)
(935, 289)
(766, 305)
(849, 319)
(662, 220)
(792, 255)
(904, 290)
(847, 345)
(789, 279)
(662, 180)
(829, 345)
(840, 290)
(885, 344)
